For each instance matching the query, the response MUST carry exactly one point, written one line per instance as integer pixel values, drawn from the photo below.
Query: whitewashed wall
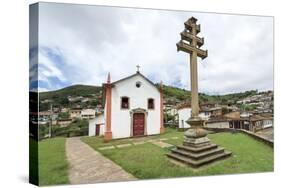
(267, 123)
(223, 124)
(92, 125)
(205, 116)
(121, 120)
(184, 115)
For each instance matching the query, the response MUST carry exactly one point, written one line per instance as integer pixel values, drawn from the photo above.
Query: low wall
(251, 134)
(217, 124)
(257, 137)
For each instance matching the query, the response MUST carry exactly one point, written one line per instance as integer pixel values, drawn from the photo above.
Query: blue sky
(80, 44)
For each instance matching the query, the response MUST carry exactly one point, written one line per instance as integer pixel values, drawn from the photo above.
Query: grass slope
(53, 167)
(148, 161)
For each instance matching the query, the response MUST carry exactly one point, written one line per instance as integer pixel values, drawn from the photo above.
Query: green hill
(172, 95)
(176, 95)
(59, 97)
(75, 90)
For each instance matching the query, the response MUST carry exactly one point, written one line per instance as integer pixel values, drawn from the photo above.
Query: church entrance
(97, 129)
(138, 124)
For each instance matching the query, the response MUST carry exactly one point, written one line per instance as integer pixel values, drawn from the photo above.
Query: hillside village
(70, 109)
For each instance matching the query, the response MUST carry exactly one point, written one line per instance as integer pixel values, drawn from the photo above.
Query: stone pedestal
(196, 136)
(197, 150)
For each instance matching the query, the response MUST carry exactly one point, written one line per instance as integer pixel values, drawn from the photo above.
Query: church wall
(121, 118)
(92, 125)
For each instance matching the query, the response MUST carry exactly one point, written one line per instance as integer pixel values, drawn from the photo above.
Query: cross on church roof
(138, 68)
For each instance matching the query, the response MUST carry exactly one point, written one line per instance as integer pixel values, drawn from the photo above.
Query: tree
(63, 115)
(44, 106)
(247, 107)
(43, 130)
(63, 101)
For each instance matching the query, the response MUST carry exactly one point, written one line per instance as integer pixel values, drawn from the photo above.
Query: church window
(125, 102)
(138, 84)
(150, 103)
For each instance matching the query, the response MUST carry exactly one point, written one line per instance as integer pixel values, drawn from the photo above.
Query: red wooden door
(138, 124)
(97, 129)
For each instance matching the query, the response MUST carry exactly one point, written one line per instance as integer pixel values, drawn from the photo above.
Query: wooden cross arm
(181, 46)
(185, 35)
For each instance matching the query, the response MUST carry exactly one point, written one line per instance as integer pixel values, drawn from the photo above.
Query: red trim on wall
(108, 132)
(162, 128)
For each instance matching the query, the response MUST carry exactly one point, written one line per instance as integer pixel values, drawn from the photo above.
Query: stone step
(198, 149)
(200, 155)
(198, 163)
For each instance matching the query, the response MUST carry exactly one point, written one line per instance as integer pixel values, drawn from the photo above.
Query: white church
(133, 107)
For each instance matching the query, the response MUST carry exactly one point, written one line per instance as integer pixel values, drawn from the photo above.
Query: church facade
(133, 107)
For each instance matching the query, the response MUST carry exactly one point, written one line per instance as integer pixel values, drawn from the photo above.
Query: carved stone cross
(191, 43)
(138, 68)
(196, 142)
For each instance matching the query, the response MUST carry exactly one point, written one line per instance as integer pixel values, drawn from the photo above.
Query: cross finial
(108, 78)
(138, 68)
(161, 85)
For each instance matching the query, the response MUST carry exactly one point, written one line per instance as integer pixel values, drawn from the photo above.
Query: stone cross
(138, 68)
(196, 142)
(191, 43)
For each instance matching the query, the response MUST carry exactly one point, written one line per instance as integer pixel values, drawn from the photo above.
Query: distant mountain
(75, 90)
(172, 95)
(177, 95)
(59, 98)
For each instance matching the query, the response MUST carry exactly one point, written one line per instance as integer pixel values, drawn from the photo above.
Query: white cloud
(50, 68)
(96, 40)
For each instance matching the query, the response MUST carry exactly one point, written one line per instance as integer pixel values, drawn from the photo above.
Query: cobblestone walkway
(89, 166)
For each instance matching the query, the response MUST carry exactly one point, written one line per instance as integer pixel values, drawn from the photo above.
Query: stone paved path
(89, 166)
(158, 142)
(162, 144)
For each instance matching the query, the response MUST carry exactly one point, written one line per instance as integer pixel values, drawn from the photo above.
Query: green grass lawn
(33, 161)
(148, 161)
(53, 166)
(97, 142)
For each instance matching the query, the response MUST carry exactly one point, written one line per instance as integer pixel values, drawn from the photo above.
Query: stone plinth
(197, 150)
